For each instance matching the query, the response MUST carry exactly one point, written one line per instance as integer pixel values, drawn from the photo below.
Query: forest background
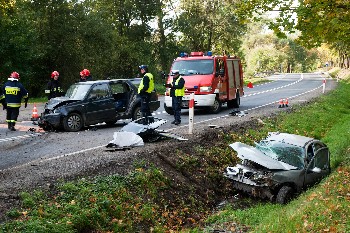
(112, 38)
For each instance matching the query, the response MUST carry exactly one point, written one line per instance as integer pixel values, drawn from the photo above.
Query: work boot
(9, 125)
(177, 122)
(173, 122)
(144, 121)
(13, 126)
(150, 119)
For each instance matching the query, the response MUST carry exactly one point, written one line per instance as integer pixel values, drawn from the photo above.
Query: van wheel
(73, 122)
(284, 195)
(168, 110)
(137, 114)
(216, 108)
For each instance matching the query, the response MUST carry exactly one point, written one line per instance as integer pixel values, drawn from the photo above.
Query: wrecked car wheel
(285, 194)
(73, 122)
(137, 114)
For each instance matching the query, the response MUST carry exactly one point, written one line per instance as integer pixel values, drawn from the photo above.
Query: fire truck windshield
(191, 67)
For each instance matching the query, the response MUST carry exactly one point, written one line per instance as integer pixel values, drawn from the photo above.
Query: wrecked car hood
(58, 101)
(246, 152)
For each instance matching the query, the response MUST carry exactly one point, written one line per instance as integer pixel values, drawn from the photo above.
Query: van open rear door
(235, 77)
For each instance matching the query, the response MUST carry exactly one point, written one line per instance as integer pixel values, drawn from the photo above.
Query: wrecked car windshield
(191, 67)
(77, 92)
(283, 152)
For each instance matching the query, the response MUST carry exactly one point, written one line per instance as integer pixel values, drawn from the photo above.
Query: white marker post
(190, 113)
(324, 85)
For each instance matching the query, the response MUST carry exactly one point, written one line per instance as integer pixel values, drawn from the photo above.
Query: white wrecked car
(279, 166)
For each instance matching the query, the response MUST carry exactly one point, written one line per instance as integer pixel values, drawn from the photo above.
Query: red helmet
(55, 73)
(85, 72)
(14, 75)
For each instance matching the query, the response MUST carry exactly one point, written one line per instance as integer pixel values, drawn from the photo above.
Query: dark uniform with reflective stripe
(177, 91)
(14, 91)
(54, 89)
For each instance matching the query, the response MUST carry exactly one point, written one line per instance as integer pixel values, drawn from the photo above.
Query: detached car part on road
(93, 102)
(280, 166)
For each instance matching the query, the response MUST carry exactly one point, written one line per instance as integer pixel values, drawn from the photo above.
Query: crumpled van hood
(246, 152)
(58, 101)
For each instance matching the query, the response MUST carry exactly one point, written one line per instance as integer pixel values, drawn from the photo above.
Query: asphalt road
(29, 145)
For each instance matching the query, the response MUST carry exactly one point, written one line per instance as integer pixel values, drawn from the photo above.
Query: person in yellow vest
(177, 91)
(145, 89)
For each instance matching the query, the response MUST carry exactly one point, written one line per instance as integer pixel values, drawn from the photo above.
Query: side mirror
(316, 170)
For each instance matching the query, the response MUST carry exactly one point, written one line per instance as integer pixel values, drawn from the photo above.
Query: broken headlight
(260, 176)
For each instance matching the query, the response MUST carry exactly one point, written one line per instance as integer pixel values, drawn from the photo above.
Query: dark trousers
(12, 114)
(176, 103)
(145, 110)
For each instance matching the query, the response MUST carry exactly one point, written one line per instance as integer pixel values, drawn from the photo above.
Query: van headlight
(205, 89)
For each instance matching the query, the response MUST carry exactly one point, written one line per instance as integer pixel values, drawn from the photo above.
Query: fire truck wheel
(216, 108)
(168, 110)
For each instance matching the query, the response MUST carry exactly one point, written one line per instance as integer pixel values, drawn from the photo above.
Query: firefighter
(14, 91)
(54, 88)
(85, 75)
(145, 89)
(177, 91)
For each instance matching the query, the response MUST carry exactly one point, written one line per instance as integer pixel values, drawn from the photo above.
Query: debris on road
(147, 132)
(238, 113)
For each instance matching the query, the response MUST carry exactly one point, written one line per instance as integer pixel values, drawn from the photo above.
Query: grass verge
(323, 208)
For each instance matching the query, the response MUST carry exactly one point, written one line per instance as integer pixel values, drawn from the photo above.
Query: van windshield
(191, 67)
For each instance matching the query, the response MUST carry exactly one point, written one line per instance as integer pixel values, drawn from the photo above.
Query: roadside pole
(324, 85)
(190, 114)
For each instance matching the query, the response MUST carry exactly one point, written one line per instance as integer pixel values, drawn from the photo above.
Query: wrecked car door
(318, 167)
(99, 105)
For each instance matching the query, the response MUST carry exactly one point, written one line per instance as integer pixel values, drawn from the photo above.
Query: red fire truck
(214, 80)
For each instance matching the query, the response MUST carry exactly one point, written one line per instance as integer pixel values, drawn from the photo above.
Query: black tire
(216, 108)
(235, 103)
(137, 114)
(284, 195)
(73, 122)
(168, 110)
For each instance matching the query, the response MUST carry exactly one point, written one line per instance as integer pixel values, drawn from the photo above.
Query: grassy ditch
(179, 193)
(323, 208)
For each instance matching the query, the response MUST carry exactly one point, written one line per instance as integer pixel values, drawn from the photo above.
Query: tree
(318, 22)
(210, 25)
